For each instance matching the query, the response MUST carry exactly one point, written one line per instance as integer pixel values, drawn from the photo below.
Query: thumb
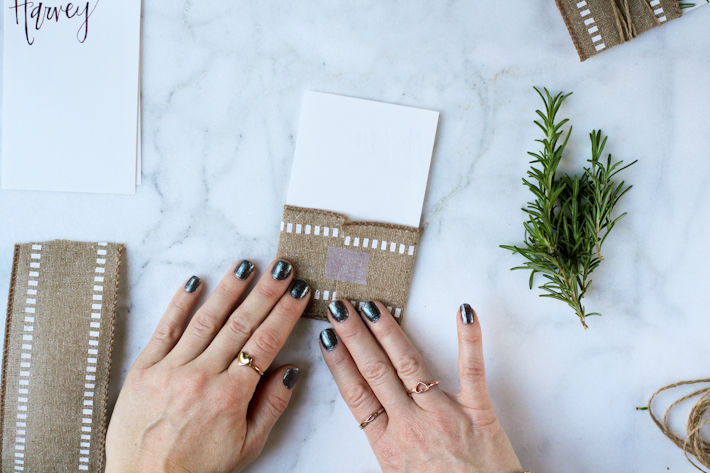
(472, 373)
(269, 402)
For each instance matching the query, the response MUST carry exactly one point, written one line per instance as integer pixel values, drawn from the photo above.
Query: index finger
(474, 391)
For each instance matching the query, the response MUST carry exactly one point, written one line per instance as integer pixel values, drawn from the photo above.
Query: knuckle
(181, 304)
(415, 436)
(205, 324)
(409, 366)
(290, 306)
(357, 395)
(277, 404)
(351, 336)
(166, 333)
(375, 372)
(388, 331)
(193, 386)
(238, 328)
(472, 337)
(472, 370)
(266, 291)
(485, 416)
(267, 341)
(226, 291)
(339, 363)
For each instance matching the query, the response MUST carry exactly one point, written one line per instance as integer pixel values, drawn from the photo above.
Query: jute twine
(693, 444)
(624, 21)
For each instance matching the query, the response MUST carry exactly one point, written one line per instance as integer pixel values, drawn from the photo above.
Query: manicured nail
(281, 271)
(299, 289)
(371, 311)
(328, 339)
(291, 376)
(192, 284)
(244, 269)
(466, 314)
(338, 310)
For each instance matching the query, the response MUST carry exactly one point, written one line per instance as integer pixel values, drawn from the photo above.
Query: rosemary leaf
(570, 216)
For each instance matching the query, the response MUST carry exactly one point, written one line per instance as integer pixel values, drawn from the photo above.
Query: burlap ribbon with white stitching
(356, 261)
(57, 356)
(597, 25)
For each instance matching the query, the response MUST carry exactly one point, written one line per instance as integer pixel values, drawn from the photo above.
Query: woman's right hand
(374, 364)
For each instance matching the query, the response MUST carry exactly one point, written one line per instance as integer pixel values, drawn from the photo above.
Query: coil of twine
(693, 444)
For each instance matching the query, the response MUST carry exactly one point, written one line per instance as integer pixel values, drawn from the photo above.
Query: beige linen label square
(356, 261)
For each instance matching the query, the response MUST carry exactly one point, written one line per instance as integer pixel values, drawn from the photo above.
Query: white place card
(368, 160)
(70, 96)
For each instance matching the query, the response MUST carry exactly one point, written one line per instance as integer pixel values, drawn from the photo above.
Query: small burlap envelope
(597, 25)
(356, 261)
(57, 356)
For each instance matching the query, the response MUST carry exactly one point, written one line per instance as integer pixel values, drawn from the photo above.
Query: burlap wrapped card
(597, 25)
(57, 356)
(356, 261)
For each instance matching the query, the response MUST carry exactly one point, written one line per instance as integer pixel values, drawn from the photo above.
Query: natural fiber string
(693, 444)
(624, 21)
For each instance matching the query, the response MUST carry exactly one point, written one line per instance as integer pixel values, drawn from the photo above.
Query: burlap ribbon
(597, 25)
(57, 356)
(356, 261)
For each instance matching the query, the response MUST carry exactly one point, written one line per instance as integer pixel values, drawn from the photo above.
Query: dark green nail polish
(338, 311)
(328, 339)
(290, 377)
(371, 311)
(299, 289)
(467, 314)
(244, 269)
(192, 284)
(281, 270)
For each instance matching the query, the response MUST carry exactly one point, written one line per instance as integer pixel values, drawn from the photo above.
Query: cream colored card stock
(71, 96)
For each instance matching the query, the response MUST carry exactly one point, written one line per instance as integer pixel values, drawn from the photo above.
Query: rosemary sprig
(571, 216)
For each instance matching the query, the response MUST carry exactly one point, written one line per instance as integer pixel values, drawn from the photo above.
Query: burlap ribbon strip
(356, 261)
(57, 356)
(597, 25)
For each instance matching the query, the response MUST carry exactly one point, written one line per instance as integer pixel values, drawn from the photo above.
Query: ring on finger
(422, 387)
(372, 417)
(245, 359)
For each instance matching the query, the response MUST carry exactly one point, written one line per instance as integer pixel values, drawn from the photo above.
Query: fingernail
(338, 311)
(244, 269)
(291, 376)
(192, 284)
(281, 271)
(466, 314)
(328, 339)
(299, 289)
(371, 311)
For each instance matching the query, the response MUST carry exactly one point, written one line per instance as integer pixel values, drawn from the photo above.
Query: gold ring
(422, 387)
(246, 360)
(371, 418)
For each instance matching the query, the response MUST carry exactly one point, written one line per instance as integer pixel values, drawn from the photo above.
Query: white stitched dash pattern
(588, 20)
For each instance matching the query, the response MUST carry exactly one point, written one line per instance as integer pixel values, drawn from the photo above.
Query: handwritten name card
(71, 96)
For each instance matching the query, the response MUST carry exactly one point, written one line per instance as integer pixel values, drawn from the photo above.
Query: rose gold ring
(422, 387)
(245, 359)
(371, 418)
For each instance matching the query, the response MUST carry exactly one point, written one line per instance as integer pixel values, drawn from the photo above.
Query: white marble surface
(222, 84)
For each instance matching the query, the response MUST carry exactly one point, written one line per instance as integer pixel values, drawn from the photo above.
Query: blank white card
(70, 95)
(368, 160)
